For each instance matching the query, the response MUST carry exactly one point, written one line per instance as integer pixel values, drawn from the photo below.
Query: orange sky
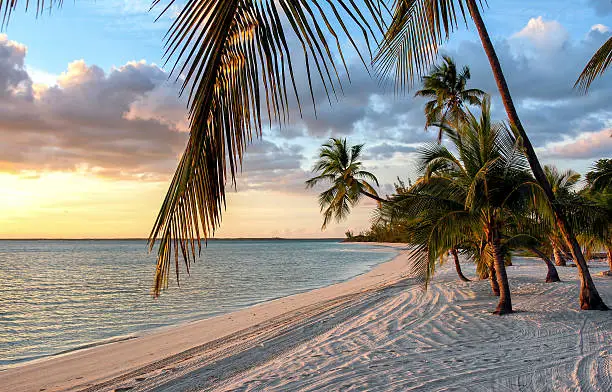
(62, 205)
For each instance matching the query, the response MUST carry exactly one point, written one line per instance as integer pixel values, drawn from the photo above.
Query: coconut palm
(476, 192)
(562, 184)
(598, 64)
(447, 89)
(411, 44)
(339, 165)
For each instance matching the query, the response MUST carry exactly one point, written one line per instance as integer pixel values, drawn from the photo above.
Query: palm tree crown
(447, 89)
(339, 165)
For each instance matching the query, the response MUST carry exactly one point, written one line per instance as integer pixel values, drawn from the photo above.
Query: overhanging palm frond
(598, 64)
(7, 7)
(412, 40)
(232, 55)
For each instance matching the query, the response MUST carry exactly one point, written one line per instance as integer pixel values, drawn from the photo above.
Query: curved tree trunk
(505, 302)
(589, 297)
(552, 275)
(458, 266)
(558, 255)
(493, 280)
(374, 197)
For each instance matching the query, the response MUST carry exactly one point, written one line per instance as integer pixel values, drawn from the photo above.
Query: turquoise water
(60, 295)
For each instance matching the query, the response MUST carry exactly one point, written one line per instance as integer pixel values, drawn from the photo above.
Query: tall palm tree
(411, 45)
(562, 184)
(596, 66)
(340, 166)
(474, 193)
(234, 59)
(447, 89)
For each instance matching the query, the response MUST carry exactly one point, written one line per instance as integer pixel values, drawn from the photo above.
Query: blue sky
(82, 112)
(113, 32)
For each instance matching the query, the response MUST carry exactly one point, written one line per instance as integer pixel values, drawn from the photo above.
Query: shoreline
(78, 368)
(137, 333)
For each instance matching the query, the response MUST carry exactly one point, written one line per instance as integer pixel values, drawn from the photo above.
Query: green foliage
(339, 165)
(446, 89)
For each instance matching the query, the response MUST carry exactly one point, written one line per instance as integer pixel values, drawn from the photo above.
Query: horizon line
(146, 239)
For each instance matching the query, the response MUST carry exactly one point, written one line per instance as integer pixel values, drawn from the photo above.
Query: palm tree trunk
(609, 261)
(589, 297)
(558, 255)
(552, 275)
(458, 266)
(374, 197)
(493, 280)
(505, 302)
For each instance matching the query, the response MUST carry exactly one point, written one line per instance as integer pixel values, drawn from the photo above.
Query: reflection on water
(58, 295)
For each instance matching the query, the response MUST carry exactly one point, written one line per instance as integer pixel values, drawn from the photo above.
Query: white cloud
(600, 28)
(544, 34)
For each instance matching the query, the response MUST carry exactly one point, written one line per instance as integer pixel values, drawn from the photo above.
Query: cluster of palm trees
(476, 197)
(234, 59)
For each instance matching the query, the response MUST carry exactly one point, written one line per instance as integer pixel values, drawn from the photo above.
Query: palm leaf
(413, 38)
(233, 55)
(598, 64)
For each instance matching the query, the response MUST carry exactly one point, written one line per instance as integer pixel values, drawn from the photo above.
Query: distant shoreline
(146, 239)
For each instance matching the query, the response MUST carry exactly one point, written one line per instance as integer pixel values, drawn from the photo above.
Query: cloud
(387, 150)
(89, 121)
(268, 166)
(586, 145)
(544, 35)
(541, 83)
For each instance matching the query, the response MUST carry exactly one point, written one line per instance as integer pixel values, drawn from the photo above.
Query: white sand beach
(376, 332)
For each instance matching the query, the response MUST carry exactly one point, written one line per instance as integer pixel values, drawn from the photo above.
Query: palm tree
(447, 89)
(476, 192)
(562, 184)
(598, 64)
(411, 45)
(339, 165)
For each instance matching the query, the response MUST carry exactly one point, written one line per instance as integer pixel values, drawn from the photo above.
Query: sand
(379, 331)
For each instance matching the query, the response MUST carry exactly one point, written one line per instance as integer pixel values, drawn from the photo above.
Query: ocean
(59, 295)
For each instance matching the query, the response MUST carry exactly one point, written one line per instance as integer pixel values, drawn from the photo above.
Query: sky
(91, 125)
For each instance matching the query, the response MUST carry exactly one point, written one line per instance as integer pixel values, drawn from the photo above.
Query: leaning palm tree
(562, 184)
(476, 192)
(411, 44)
(339, 165)
(598, 64)
(446, 87)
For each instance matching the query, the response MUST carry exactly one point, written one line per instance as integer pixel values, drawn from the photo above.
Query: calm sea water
(60, 295)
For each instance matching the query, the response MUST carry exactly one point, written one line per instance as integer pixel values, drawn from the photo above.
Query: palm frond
(598, 64)
(413, 38)
(234, 59)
